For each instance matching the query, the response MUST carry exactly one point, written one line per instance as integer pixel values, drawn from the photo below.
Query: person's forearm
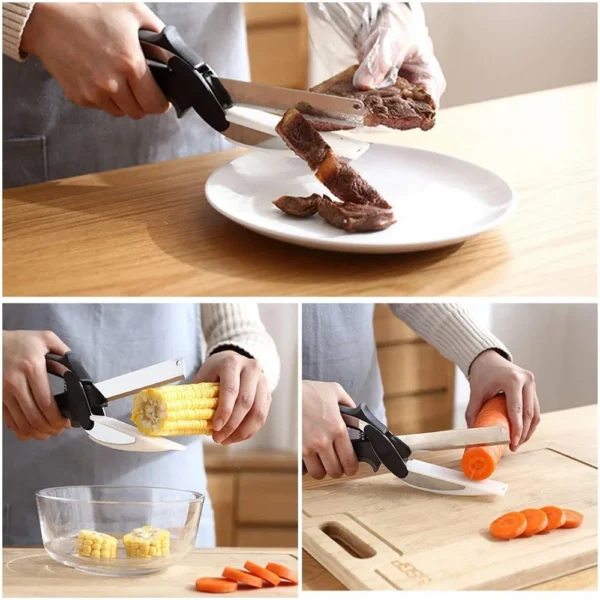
(14, 19)
(240, 326)
(451, 330)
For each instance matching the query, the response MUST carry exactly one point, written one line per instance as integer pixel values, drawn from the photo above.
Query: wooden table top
(573, 430)
(30, 572)
(149, 230)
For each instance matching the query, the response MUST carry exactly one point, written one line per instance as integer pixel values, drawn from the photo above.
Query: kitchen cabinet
(277, 43)
(418, 381)
(254, 497)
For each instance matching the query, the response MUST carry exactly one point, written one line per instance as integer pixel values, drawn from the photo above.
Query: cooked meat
(338, 176)
(355, 217)
(298, 206)
(302, 138)
(399, 106)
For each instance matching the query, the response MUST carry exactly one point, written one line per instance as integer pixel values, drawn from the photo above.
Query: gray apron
(111, 339)
(338, 344)
(46, 137)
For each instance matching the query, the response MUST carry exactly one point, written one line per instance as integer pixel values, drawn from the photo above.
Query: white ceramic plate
(438, 200)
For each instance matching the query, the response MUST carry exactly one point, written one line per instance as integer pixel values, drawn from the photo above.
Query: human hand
(29, 408)
(387, 38)
(93, 51)
(491, 374)
(244, 397)
(326, 445)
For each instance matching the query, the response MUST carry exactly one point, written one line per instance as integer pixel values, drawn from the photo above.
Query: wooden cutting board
(30, 572)
(393, 537)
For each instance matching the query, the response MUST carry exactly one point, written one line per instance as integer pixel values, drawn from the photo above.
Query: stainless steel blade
(456, 438)
(334, 109)
(162, 373)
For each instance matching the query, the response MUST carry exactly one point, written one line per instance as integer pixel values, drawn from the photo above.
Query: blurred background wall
(487, 50)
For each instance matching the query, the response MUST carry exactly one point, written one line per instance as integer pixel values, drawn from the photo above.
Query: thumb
(148, 20)
(383, 55)
(475, 403)
(55, 344)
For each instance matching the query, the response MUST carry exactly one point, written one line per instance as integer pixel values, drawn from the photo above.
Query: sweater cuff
(14, 18)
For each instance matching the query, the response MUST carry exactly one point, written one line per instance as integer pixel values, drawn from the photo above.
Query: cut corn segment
(96, 545)
(146, 542)
(174, 410)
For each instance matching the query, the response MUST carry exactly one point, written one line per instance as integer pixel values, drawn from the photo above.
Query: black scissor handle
(185, 80)
(81, 398)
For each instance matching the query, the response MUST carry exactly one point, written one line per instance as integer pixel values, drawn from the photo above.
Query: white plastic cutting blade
(440, 480)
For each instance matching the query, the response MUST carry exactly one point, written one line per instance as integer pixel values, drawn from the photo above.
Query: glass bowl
(116, 511)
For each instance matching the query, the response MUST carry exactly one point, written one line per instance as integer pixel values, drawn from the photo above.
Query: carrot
(215, 585)
(573, 519)
(509, 526)
(261, 572)
(537, 521)
(242, 577)
(283, 572)
(556, 518)
(479, 462)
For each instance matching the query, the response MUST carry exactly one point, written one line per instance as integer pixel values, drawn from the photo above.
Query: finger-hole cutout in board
(352, 544)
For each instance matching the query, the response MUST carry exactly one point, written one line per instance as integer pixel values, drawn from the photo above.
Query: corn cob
(176, 409)
(146, 542)
(96, 545)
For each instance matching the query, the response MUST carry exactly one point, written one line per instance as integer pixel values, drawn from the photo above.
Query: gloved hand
(387, 39)
(29, 408)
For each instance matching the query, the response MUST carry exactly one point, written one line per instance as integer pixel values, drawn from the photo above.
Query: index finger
(229, 386)
(514, 407)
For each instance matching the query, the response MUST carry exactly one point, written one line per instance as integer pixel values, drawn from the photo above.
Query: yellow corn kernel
(146, 542)
(174, 410)
(96, 545)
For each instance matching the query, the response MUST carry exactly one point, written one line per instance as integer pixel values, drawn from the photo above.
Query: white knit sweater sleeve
(451, 330)
(14, 18)
(240, 325)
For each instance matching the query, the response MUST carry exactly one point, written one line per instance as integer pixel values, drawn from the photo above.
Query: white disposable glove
(387, 39)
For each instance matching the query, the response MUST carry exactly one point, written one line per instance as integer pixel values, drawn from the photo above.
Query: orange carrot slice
(261, 572)
(242, 577)
(537, 520)
(509, 526)
(215, 585)
(479, 462)
(573, 519)
(283, 572)
(556, 518)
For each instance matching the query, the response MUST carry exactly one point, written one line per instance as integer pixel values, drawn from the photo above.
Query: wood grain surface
(31, 573)
(572, 432)
(148, 230)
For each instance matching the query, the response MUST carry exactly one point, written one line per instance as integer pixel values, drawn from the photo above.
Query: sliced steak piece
(399, 106)
(338, 176)
(355, 217)
(298, 206)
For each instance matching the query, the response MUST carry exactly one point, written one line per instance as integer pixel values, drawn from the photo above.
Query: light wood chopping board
(400, 538)
(31, 573)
